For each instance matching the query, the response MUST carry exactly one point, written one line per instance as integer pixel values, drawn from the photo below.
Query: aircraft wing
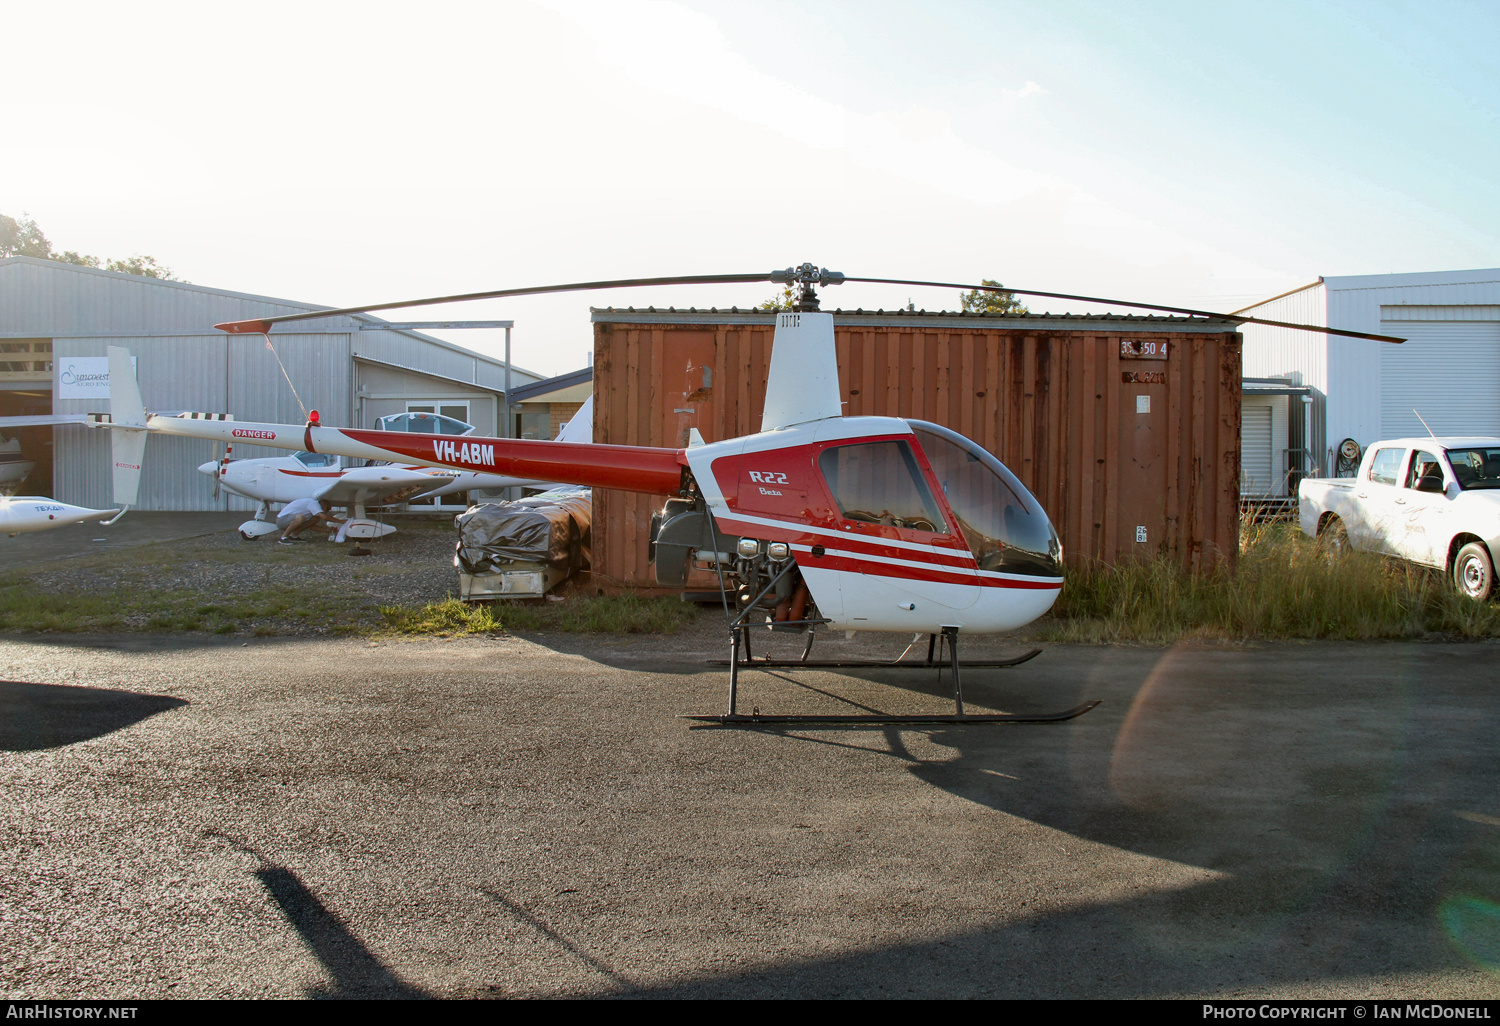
(383, 486)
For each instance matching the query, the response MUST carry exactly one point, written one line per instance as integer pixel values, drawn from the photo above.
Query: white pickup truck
(1433, 501)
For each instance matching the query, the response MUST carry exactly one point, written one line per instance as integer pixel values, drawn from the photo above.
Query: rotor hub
(807, 275)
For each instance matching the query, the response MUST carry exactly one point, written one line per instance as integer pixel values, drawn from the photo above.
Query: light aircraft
(23, 513)
(14, 467)
(816, 521)
(315, 475)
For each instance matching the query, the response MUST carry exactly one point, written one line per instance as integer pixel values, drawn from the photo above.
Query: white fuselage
(280, 479)
(862, 578)
(20, 513)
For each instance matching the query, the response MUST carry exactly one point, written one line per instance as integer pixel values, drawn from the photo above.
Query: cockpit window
(1002, 523)
(317, 459)
(1476, 468)
(881, 483)
(423, 423)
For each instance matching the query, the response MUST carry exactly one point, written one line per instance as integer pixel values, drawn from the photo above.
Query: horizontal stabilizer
(44, 421)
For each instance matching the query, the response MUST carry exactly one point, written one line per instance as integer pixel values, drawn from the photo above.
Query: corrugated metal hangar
(57, 319)
(1448, 371)
(1126, 429)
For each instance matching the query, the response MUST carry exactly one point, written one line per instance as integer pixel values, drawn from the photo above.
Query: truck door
(1372, 522)
(1420, 529)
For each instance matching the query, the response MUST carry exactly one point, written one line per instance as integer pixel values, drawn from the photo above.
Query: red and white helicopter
(318, 475)
(816, 521)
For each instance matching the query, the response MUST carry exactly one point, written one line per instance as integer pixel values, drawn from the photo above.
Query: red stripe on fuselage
(870, 568)
(798, 534)
(630, 468)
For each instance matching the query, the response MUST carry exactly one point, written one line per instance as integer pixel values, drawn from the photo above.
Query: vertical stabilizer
(125, 405)
(581, 427)
(127, 436)
(804, 381)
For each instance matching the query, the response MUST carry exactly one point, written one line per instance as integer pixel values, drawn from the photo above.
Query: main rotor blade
(262, 325)
(1140, 306)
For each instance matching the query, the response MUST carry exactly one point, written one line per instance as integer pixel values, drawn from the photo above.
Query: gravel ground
(410, 568)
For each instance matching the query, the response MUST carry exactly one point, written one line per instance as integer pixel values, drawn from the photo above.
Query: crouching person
(300, 514)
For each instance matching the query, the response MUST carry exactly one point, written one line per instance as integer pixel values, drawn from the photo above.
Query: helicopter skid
(739, 641)
(875, 664)
(877, 718)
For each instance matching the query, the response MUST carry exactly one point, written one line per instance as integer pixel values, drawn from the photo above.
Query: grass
(621, 614)
(1285, 587)
(24, 606)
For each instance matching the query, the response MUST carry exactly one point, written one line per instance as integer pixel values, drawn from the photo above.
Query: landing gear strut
(739, 656)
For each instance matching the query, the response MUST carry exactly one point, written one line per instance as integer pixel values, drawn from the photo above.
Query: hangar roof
(49, 298)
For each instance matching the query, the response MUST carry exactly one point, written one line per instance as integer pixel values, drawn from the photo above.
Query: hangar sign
(83, 377)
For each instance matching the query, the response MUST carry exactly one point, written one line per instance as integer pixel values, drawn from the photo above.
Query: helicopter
(816, 522)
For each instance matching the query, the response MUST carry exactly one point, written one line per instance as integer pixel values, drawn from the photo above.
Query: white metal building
(57, 320)
(1449, 371)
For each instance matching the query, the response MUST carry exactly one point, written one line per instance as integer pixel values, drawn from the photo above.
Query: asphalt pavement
(530, 817)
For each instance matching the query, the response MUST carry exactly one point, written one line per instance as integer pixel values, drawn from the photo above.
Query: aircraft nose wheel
(739, 641)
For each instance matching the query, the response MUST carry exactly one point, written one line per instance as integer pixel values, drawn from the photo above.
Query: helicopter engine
(757, 573)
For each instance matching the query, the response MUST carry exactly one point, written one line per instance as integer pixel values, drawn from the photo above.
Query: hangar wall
(1109, 439)
(184, 364)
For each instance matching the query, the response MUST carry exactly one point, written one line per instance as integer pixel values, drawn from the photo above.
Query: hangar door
(1449, 371)
(1255, 450)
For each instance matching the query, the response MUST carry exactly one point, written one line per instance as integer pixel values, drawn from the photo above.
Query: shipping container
(1126, 429)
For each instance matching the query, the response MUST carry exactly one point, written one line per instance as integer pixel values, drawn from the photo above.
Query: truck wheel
(1334, 539)
(1473, 572)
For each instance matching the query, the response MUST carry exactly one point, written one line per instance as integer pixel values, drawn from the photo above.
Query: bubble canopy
(1003, 524)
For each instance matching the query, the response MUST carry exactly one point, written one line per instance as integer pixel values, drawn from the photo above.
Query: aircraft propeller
(807, 275)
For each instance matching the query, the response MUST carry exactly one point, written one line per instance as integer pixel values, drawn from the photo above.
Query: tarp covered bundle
(550, 528)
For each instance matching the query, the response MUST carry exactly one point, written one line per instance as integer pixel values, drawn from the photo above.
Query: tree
(24, 238)
(145, 266)
(981, 302)
(782, 300)
(70, 257)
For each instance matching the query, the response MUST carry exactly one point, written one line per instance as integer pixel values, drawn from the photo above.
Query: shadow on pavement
(356, 972)
(1289, 829)
(39, 716)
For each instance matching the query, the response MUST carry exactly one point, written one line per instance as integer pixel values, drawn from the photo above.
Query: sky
(1197, 154)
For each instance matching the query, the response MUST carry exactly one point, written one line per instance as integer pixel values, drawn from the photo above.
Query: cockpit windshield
(316, 459)
(1004, 526)
(1476, 468)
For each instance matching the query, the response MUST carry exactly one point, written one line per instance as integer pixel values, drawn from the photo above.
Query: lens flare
(1473, 925)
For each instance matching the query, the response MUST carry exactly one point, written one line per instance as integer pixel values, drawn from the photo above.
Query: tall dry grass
(1285, 586)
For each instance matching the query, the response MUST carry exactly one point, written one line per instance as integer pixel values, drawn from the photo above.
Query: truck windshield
(1476, 468)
